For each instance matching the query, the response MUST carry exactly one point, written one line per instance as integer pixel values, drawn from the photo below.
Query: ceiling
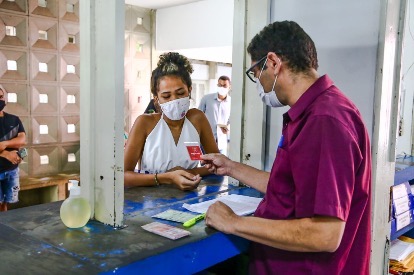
(217, 54)
(158, 4)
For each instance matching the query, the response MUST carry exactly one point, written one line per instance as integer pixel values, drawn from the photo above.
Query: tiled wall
(137, 62)
(39, 67)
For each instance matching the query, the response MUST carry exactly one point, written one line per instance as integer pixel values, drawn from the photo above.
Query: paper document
(241, 205)
(175, 216)
(400, 250)
(166, 230)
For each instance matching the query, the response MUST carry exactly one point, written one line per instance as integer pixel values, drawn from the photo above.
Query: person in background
(152, 107)
(216, 106)
(315, 217)
(12, 137)
(157, 141)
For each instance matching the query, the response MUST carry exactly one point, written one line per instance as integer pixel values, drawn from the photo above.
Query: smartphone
(22, 153)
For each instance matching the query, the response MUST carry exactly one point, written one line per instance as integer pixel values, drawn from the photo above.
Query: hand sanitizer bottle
(75, 211)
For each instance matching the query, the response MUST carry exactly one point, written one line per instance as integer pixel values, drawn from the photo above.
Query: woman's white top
(160, 152)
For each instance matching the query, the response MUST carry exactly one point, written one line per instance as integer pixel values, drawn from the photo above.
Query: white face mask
(176, 109)
(270, 98)
(222, 91)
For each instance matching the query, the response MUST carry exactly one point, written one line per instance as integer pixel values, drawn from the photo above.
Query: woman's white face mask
(176, 109)
(270, 98)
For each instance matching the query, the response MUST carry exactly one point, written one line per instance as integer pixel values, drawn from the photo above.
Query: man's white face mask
(176, 109)
(270, 98)
(222, 91)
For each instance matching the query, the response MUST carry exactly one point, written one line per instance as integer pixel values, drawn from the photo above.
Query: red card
(194, 151)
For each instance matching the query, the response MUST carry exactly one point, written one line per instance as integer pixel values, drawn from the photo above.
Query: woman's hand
(176, 168)
(184, 180)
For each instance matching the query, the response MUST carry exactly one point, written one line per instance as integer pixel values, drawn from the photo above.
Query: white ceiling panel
(158, 4)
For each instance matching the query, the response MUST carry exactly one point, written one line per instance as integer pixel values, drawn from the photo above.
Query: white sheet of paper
(403, 220)
(221, 139)
(400, 250)
(241, 205)
(402, 205)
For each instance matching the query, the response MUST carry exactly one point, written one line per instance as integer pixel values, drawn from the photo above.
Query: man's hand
(221, 217)
(217, 164)
(3, 146)
(11, 156)
(224, 130)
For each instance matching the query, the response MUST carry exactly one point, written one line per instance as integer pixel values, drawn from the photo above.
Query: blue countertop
(34, 240)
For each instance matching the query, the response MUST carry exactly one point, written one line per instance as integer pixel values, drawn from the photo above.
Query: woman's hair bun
(173, 62)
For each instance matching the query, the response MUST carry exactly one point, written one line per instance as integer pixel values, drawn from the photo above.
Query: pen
(193, 221)
(281, 141)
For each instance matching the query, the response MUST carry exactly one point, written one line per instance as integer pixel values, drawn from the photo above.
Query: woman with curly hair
(156, 141)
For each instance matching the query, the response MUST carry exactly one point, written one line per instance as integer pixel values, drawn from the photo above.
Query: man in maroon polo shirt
(315, 215)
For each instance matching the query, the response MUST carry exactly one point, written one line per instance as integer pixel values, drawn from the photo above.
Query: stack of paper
(166, 230)
(402, 254)
(241, 205)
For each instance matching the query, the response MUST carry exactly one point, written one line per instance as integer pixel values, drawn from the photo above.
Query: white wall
(202, 30)
(224, 70)
(405, 141)
(346, 38)
(201, 72)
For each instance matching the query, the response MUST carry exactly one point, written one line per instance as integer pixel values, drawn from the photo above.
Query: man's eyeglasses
(250, 72)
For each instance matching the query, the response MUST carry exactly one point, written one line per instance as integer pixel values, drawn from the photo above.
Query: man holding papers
(315, 216)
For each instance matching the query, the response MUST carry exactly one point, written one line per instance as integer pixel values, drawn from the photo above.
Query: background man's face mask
(2, 105)
(222, 91)
(270, 98)
(176, 109)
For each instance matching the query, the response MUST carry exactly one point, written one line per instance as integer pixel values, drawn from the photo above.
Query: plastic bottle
(75, 211)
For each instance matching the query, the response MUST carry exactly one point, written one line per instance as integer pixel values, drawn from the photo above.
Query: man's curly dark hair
(171, 64)
(288, 40)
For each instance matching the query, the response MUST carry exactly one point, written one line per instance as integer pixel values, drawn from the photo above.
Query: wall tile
(69, 10)
(44, 129)
(44, 99)
(13, 30)
(50, 10)
(44, 160)
(17, 6)
(13, 65)
(69, 128)
(21, 107)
